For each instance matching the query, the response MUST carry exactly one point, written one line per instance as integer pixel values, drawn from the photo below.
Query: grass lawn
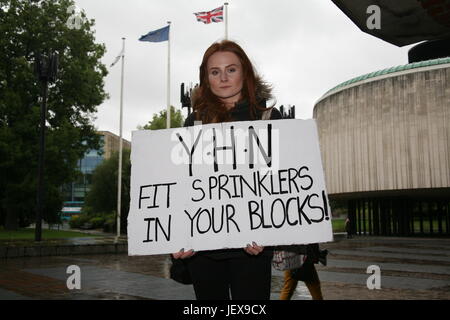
(338, 224)
(28, 234)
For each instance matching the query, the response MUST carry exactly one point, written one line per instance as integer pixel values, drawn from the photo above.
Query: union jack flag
(215, 15)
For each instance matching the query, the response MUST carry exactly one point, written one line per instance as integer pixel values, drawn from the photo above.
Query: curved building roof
(387, 133)
(386, 72)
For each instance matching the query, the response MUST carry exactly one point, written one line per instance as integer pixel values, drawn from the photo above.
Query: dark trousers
(247, 278)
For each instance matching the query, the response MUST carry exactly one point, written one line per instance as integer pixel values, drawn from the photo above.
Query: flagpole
(168, 78)
(119, 173)
(226, 20)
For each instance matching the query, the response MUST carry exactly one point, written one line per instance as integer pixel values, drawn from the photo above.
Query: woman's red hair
(209, 108)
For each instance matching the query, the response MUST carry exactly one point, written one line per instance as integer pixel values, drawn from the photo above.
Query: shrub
(105, 221)
(77, 222)
(110, 223)
(97, 222)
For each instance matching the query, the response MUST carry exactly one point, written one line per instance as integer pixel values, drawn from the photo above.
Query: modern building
(75, 192)
(385, 144)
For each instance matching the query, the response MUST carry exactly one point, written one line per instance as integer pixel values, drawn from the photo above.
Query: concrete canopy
(402, 22)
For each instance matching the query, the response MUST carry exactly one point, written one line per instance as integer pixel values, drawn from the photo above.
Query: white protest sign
(227, 185)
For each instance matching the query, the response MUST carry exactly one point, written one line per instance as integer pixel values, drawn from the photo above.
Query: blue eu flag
(157, 35)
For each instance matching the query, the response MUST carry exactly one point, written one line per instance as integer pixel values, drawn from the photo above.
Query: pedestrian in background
(348, 228)
(306, 273)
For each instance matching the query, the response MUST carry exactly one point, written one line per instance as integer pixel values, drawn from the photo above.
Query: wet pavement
(410, 269)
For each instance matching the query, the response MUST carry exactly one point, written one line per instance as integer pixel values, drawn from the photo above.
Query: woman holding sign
(230, 90)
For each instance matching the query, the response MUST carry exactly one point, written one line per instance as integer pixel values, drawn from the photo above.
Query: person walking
(306, 273)
(348, 228)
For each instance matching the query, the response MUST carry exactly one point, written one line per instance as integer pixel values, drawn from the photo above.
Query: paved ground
(410, 269)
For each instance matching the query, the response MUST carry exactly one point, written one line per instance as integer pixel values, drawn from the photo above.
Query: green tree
(102, 196)
(27, 28)
(159, 120)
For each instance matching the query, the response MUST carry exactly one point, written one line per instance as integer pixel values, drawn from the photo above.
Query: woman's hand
(183, 255)
(254, 250)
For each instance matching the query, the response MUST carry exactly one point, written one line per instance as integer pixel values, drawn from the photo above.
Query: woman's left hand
(254, 249)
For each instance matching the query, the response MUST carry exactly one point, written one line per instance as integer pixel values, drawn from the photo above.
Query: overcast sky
(303, 48)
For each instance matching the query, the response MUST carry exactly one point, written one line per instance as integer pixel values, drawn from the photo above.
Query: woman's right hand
(183, 255)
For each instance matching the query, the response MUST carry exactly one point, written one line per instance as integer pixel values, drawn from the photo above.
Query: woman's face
(225, 76)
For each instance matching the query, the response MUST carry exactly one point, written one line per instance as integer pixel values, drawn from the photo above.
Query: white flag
(121, 54)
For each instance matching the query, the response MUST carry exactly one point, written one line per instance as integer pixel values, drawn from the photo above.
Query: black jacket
(239, 113)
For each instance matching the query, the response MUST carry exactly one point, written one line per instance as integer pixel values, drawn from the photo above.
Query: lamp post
(46, 70)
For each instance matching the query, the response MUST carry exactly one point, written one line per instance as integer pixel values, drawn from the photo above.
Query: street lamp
(46, 70)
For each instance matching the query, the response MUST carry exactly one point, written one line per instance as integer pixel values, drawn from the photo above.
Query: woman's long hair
(207, 106)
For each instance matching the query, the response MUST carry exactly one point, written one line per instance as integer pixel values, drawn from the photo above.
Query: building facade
(75, 192)
(385, 143)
